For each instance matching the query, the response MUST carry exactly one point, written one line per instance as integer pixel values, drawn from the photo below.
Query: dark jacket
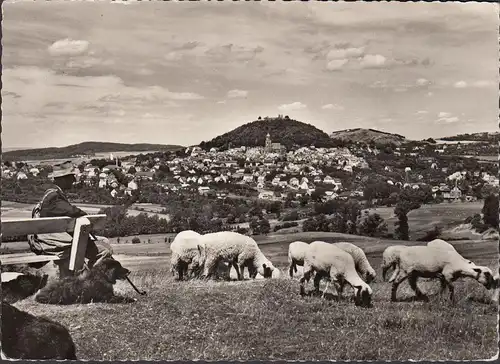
(54, 203)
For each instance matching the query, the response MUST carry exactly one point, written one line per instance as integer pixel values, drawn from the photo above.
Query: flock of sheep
(212, 256)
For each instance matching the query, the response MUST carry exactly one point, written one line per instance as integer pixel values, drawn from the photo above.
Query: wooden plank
(7, 259)
(46, 225)
(79, 245)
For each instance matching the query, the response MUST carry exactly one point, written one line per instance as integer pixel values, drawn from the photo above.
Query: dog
(18, 286)
(25, 336)
(94, 285)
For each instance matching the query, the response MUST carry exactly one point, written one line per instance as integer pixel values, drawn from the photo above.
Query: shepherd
(54, 203)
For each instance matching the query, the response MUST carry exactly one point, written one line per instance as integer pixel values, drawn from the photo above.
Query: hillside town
(275, 172)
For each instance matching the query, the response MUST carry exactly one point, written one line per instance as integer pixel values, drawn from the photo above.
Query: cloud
(422, 82)
(450, 120)
(446, 118)
(332, 107)
(235, 94)
(336, 64)
(460, 84)
(421, 112)
(373, 61)
(342, 53)
(292, 107)
(484, 83)
(68, 47)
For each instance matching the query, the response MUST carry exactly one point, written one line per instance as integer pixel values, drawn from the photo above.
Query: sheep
(390, 259)
(363, 267)
(296, 253)
(184, 252)
(236, 249)
(432, 262)
(333, 263)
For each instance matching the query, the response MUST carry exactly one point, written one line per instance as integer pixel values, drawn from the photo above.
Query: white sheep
(184, 252)
(390, 260)
(237, 249)
(296, 253)
(432, 262)
(363, 267)
(330, 262)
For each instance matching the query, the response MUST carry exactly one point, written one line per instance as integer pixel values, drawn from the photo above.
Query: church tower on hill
(268, 145)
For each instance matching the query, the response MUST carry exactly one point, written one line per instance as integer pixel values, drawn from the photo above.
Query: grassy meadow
(267, 319)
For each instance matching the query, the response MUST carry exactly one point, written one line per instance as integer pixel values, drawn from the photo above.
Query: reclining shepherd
(54, 203)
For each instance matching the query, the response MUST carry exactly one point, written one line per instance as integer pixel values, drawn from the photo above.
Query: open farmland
(267, 319)
(427, 216)
(16, 210)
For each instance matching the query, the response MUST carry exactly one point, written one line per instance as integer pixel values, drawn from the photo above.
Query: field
(16, 210)
(427, 216)
(267, 319)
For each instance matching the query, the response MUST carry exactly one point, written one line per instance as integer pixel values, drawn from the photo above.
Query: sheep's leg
(317, 280)
(292, 269)
(340, 289)
(413, 284)
(240, 270)
(395, 284)
(326, 289)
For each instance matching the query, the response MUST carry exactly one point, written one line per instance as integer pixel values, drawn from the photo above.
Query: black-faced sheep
(429, 262)
(333, 263)
(95, 285)
(363, 267)
(185, 252)
(25, 336)
(390, 259)
(296, 254)
(239, 250)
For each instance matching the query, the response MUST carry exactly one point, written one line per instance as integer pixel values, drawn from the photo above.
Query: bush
(372, 225)
(136, 240)
(286, 225)
(431, 234)
(292, 216)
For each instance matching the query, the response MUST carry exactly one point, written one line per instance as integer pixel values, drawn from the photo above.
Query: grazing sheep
(333, 263)
(95, 285)
(239, 250)
(25, 336)
(296, 253)
(184, 252)
(363, 267)
(429, 262)
(390, 260)
(18, 286)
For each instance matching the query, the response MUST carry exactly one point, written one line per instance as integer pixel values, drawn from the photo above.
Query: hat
(61, 173)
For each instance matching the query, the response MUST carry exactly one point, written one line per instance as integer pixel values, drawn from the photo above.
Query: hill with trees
(478, 137)
(289, 132)
(368, 136)
(86, 148)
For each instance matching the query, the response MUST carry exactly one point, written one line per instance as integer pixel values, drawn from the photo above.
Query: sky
(185, 72)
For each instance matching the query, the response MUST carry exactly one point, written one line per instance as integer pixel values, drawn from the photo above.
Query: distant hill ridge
(481, 136)
(368, 136)
(84, 148)
(288, 132)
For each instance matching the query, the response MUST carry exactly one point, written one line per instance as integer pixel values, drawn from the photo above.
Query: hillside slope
(288, 132)
(368, 136)
(479, 137)
(83, 149)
